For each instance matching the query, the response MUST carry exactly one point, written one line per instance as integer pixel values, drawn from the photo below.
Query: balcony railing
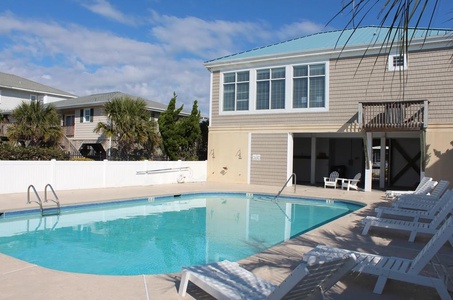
(68, 130)
(392, 116)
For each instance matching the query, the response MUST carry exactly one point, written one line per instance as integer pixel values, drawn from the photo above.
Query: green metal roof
(331, 40)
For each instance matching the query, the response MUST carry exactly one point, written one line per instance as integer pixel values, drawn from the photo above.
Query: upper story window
(309, 86)
(236, 91)
(86, 115)
(270, 88)
(397, 62)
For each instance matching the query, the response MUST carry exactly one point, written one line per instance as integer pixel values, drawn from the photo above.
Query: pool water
(161, 235)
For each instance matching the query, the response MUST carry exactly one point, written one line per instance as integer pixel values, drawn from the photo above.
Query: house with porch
(341, 100)
(81, 115)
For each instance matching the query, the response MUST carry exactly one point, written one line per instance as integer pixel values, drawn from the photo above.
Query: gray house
(15, 89)
(337, 100)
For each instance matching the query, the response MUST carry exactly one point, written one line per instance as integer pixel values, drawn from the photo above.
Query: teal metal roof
(331, 40)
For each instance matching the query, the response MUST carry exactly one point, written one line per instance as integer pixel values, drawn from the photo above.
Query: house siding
(85, 131)
(356, 79)
(271, 168)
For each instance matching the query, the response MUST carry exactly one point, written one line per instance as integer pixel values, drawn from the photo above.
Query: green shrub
(9, 152)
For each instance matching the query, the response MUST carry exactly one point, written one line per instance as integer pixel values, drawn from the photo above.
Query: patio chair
(424, 187)
(415, 201)
(331, 180)
(227, 280)
(351, 183)
(427, 211)
(413, 227)
(402, 269)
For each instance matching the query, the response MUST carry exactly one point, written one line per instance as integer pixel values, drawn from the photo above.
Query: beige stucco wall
(439, 154)
(228, 156)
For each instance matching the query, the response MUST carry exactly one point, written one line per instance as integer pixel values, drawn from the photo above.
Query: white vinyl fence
(16, 176)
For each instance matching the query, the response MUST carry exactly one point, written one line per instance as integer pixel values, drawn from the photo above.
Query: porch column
(313, 160)
(422, 153)
(368, 164)
(382, 163)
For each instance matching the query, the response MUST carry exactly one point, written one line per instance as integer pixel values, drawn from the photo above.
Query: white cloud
(105, 9)
(82, 61)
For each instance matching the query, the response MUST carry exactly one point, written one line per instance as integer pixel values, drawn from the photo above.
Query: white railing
(16, 176)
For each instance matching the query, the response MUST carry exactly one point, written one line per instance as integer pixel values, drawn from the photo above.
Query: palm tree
(35, 124)
(129, 124)
(401, 16)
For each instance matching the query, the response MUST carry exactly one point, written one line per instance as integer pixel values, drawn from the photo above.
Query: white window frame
(392, 67)
(86, 115)
(288, 91)
(222, 83)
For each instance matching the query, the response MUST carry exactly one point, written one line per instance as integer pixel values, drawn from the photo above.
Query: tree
(129, 125)
(180, 136)
(399, 15)
(190, 128)
(35, 124)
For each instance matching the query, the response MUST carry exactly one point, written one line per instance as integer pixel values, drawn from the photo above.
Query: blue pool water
(160, 235)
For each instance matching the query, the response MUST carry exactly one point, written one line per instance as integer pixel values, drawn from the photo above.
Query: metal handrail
(57, 201)
(278, 194)
(286, 183)
(39, 202)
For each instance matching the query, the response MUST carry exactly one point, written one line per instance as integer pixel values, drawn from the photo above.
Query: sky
(154, 48)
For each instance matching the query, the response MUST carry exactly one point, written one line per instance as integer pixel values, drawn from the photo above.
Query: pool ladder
(45, 211)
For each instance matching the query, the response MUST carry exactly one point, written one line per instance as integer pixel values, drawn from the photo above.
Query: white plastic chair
(228, 280)
(424, 187)
(331, 180)
(351, 183)
(414, 227)
(402, 269)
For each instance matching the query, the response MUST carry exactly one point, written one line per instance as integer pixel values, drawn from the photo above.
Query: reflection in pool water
(153, 236)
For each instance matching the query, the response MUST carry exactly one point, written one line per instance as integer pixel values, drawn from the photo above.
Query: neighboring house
(338, 100)
(14, 90)
(80, 117)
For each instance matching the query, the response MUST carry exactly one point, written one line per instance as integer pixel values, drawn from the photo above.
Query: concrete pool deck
(22, 280)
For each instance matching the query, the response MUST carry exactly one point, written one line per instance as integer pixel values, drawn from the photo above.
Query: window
(33, 97)
(309, 86)
(397, 62)
(86, 115)
(270, 88)
(236, 91)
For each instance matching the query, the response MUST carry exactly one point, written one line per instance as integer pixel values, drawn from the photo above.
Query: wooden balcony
(393, 116)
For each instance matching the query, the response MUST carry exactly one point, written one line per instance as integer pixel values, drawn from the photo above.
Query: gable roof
(101, 99)
(332, 40)
(15, 82)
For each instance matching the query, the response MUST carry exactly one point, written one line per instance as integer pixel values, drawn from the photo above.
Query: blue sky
(152, 48)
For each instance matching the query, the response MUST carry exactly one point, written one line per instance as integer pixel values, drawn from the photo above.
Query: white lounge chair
(414, 201)
(331, 180)
(424, 187)
(227, 280)
(427, 211)
(401, 269)
(351, 183)
(413, 227)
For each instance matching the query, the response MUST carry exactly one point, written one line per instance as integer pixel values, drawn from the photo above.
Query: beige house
(80, 117)
(338, 100)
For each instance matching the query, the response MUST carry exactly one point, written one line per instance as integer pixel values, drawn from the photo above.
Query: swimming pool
(162, 234)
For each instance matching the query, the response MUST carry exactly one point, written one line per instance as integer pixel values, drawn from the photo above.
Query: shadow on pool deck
(21, 280)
